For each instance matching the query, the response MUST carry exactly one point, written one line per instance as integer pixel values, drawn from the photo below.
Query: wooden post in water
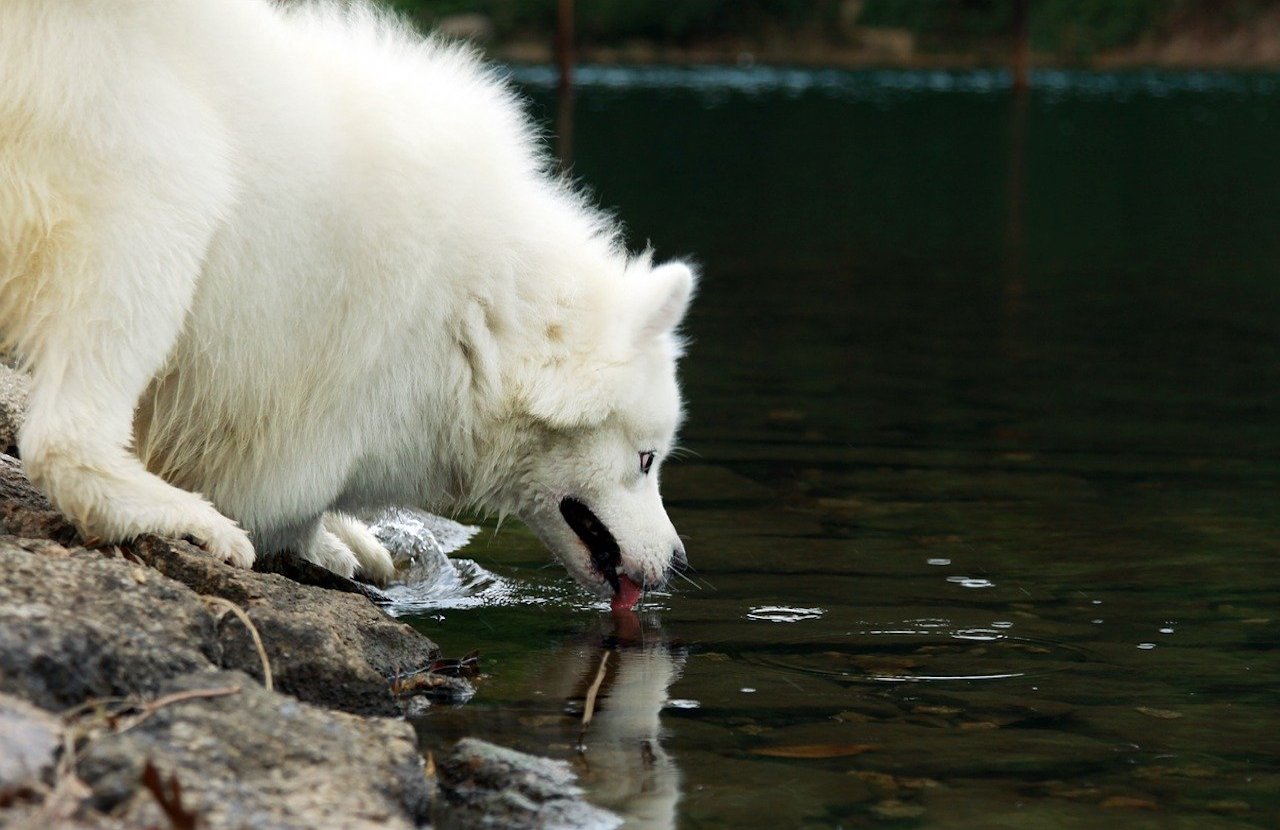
(564, 89)
(1021, 46)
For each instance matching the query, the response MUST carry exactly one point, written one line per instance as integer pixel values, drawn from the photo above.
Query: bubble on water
(971, 582)
(1146, 646)
(1095, 602)
(1002, 624)
(982, 634)
(1097, 621)
(683, 703)
(938, 561)
(783, 613)
(1166, 630)
(747, 690)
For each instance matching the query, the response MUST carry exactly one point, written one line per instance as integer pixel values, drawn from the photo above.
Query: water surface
(984, 414)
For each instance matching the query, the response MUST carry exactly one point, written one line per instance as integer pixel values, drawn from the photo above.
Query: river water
(984, 446)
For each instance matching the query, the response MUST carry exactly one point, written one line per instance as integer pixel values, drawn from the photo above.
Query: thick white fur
(265, 264)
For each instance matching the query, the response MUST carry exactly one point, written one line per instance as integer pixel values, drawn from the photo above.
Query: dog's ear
(661, 299)
(569, 393)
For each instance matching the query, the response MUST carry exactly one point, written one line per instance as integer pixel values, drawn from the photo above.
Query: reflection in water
(595, 701)
(938, 337)
(615, 686)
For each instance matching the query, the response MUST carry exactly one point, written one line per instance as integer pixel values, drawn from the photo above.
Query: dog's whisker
(687, 578)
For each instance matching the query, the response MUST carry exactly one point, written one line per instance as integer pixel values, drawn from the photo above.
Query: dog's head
(604, 406)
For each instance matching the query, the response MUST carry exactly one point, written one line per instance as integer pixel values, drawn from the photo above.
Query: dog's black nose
(679, 559)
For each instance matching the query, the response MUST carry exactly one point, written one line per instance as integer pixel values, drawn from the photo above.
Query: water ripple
(782, 613)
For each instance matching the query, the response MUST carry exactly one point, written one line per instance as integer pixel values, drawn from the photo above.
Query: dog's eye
(646, 461)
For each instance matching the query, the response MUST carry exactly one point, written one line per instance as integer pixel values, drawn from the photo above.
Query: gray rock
(326, 647)
(77, 625)
(262, 760)
(14, 386)
(483, 785)
(25, 512)
(96, 626)
(29, 741)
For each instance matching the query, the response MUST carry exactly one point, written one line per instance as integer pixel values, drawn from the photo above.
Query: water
(985, 412)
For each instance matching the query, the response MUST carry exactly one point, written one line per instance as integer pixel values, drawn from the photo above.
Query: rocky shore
(147, 685)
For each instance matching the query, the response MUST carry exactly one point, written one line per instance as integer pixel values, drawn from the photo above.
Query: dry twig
(168, 795)
(82, 725)
(589, 705)
(228, 605)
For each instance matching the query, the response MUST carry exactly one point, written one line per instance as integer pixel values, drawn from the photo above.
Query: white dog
(269, 265)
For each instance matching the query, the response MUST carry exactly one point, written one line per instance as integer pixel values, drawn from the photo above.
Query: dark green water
(984, 401)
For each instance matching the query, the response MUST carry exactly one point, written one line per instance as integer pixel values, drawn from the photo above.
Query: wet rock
(260, 759)
(95, 626)
(482, 785)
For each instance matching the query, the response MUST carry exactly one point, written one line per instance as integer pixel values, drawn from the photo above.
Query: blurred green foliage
(609, 21)
(1063, 27)
(1060, 26)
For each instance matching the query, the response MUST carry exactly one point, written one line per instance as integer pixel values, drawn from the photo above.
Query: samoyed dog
(269, 266)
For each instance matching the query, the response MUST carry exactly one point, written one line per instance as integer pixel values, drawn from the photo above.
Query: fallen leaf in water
(979, 724)
(897, 810)
(1228, 806)
(1165, 714)
(541, 721)
(814, 750)
(1188, 771)
(884, 784)
(1069, 790)
(1128, 802)
(925, 709)
(785, 416)
(884, 662)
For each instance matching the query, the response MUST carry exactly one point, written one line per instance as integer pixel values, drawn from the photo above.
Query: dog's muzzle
(605, 554)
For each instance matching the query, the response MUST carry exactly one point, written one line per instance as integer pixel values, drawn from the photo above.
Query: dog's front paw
(329, 552)
(376, 565)
(374, 559)
(223, 539)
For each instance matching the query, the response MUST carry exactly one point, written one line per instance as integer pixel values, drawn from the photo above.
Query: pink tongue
(628, 595)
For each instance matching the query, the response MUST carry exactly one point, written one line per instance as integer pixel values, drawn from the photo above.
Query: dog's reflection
(614, 683)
